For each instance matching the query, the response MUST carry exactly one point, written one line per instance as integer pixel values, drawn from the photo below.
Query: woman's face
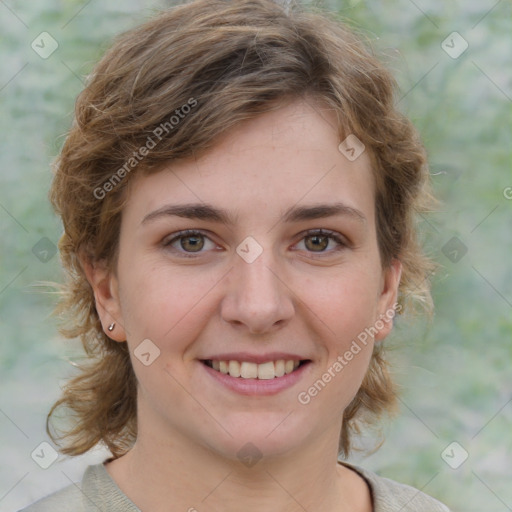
(252, 285)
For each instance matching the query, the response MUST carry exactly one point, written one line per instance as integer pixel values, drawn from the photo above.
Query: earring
(111, 326)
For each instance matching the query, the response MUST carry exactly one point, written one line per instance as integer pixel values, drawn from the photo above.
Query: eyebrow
(203, 211)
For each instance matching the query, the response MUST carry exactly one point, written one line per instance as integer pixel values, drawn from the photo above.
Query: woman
(238, 196)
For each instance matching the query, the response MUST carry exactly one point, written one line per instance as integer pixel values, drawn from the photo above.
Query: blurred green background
(454, 372)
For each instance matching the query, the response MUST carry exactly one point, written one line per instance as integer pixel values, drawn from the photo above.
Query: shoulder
(97, 492)
(391, 496)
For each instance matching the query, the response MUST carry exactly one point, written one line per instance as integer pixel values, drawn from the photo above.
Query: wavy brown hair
(234, 60)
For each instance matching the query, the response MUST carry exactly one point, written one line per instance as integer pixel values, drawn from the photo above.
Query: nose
(258, 298)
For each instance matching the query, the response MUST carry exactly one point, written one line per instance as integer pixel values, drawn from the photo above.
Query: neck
(155, 474)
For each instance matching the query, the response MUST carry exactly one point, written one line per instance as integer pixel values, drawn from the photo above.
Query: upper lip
(254, 358)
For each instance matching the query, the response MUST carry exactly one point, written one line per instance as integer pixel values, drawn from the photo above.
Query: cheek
(345, 351)
(164, 305)
(345, 302)
(347, 310)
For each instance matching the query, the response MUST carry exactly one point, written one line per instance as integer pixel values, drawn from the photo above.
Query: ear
(388, 299)
(106, 294)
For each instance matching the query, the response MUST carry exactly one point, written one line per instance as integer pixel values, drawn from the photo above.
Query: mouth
(249, 370)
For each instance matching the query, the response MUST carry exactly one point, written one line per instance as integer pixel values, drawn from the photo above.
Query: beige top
(99, 493)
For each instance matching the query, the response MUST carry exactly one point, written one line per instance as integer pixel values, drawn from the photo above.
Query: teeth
(279, 368)
(234, 368)
(266, 370)
(263, 371)
(248, 370)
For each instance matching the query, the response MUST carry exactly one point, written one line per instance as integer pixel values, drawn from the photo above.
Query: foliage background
(454, 371)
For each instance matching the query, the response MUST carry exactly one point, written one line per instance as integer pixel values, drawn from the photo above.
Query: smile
(249, 370)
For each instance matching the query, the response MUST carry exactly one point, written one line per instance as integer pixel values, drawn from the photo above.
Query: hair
(173, 85)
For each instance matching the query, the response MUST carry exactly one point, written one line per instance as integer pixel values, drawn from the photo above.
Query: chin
(261, 435)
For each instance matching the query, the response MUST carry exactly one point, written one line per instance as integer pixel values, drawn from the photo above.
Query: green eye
(319, 241)
(190, 242)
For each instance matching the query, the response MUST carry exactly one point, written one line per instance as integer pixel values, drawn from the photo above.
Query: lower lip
(258, 387)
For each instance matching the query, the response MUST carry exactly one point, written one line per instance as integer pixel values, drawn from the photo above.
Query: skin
(297, 297)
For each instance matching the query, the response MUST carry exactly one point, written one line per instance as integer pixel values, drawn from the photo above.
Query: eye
(187, 242)
(318, 240)
(191, 242)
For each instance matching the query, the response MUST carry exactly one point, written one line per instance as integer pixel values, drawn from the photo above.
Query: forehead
(265, 165)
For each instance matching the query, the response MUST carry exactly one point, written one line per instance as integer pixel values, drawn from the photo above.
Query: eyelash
(312, 232)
